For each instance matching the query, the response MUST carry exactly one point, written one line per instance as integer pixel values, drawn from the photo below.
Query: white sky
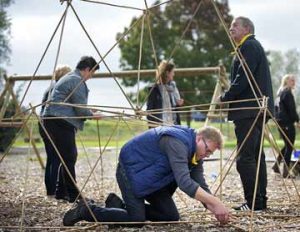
(34, 21)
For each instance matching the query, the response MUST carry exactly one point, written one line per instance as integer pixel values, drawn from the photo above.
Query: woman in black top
(286, 115)
(159, 105)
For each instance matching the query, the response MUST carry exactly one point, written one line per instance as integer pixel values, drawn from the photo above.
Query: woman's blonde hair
(162, 71)
(61, 71)
(284, 82)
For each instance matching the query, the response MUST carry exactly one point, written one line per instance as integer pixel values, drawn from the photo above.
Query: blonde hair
(284, 83)
(61, 71)
(162, 71)
(213, 134)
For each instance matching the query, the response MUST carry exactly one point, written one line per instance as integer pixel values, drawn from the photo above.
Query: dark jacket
(62, 89)
(240, 89)
(147, 168)
(45, 98)
(154, 103)
(286, 113)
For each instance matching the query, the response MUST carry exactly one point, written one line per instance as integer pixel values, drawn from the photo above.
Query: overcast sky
(34, 21)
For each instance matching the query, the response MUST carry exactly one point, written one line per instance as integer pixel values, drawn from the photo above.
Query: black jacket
(286, 113)
(154, 103)
(240, 89)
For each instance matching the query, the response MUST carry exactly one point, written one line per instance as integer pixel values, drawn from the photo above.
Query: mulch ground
(25, 207)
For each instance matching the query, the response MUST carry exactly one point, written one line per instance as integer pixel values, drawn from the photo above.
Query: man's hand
(219, 102)
(219, 210)
(180, 102)
(214, 205)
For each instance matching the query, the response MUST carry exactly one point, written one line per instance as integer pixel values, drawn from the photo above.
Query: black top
(154, 103)
(286, 113)
(45, 98)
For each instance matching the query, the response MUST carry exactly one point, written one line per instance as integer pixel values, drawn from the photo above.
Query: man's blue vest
(147, 167)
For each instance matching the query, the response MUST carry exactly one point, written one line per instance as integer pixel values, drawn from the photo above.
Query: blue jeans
(161, 206)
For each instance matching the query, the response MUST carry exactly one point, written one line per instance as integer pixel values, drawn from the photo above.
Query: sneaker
(286, 174)
(245, 207)
(113, 201)
(73, 215)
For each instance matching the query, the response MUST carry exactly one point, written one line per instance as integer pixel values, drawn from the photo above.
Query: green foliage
(115, 135)
(4, 31)
(4, 36)
(284, 63)
(112, 130)
(7, 134)
(204, 44)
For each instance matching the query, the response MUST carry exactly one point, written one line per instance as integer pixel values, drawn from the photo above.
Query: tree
(4, 36)
(6, 133)
(283, 63)
(204, 44)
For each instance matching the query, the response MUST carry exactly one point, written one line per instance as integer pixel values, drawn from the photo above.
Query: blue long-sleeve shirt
(70, 83)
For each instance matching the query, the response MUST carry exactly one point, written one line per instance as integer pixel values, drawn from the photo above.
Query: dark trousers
(178, 119)
(63, 135)
(247, 161)
(52, 164)
(287, 150)
(160, 206)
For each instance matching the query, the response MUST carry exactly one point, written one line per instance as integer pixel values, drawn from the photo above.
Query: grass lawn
(118, 132)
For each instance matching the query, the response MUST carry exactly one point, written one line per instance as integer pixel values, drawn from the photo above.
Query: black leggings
(287, 150)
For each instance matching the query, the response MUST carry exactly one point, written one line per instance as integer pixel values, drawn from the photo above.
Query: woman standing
(286, 115)
(53, 161)
(162, 97)
(63, 120)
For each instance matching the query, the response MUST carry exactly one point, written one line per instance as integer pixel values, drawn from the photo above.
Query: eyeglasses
(207, 150)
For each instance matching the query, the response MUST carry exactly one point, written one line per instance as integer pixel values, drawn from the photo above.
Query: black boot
(285, 173)
(277, 163)
(276, 168)
(78, 213)
(113, 201)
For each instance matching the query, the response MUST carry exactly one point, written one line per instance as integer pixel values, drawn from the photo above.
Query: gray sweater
(187, 175)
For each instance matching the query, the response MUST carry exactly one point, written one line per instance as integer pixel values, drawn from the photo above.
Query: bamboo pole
(18, 110)
(3, 98)
(182, 72)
